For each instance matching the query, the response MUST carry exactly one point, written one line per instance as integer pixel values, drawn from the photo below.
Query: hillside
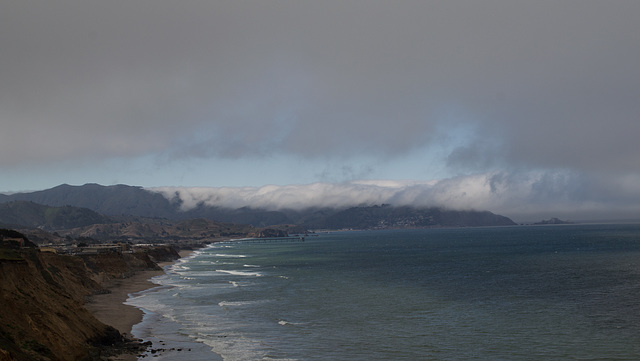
(82, 223)
(108, 200)
(383, 217)
(128, 201)
(19, 214)
(161, 231)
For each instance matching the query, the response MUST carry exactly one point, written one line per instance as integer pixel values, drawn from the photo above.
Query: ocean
(553, 292)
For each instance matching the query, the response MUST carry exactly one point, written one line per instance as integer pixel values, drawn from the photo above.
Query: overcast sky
(525, 108)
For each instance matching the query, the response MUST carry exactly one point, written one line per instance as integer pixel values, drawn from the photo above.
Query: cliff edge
(42, 296)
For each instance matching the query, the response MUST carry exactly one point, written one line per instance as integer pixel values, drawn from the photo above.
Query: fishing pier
(269, 240)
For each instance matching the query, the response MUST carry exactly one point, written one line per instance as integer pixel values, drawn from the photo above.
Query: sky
(525, 108)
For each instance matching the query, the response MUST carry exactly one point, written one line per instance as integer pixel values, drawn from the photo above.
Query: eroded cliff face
(42, 316)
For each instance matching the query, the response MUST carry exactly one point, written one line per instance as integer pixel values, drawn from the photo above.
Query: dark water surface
(507, 293)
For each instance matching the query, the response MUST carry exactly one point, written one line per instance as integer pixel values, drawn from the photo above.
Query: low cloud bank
(521, 196)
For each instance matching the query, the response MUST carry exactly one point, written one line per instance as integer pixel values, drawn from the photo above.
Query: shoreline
(110, 308)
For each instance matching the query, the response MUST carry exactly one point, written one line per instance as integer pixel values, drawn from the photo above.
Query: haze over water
(510, 293)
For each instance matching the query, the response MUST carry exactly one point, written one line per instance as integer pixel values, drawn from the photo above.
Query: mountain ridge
(124, 200)
(108, 200)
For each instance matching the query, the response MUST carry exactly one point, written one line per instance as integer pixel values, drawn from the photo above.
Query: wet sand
(110, 309)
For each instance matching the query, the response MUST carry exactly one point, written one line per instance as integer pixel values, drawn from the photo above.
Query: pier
(269, 240)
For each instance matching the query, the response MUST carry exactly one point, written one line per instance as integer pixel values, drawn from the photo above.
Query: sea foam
(230, 255)
(240, 273)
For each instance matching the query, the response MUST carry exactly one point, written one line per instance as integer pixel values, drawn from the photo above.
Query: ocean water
(569, 292)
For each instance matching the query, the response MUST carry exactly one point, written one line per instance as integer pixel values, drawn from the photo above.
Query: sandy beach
(110, 309)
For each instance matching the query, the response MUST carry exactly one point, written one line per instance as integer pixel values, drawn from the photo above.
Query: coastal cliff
(42, 296)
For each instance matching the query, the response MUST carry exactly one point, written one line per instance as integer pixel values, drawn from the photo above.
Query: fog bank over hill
(522, 196)
(525, 196)
(123, 204)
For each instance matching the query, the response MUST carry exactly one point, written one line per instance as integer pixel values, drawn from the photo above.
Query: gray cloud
(557, 83)
(540, 85)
